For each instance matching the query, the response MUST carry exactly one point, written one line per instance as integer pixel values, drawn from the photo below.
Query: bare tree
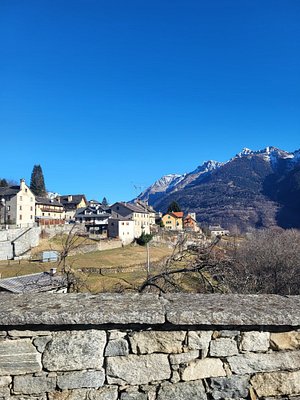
(189, 266)
(268, 261)
(71, 244)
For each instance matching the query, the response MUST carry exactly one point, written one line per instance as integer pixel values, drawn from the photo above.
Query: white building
(217, 230)
(139, 214)
(17, 205)
(121, 228)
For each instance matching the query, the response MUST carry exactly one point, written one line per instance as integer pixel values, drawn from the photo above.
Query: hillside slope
(253, 189)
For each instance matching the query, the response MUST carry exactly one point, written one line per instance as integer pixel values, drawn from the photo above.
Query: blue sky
(106, 95)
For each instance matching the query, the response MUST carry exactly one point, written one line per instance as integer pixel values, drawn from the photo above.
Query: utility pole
(148, 259)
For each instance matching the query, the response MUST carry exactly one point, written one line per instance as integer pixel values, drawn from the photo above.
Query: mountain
(253, 189)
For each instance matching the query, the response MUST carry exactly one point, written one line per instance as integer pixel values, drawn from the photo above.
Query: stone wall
(145, 347)
(15, 242)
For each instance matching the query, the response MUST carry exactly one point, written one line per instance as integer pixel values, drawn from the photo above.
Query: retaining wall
(145, 347)
(15, 242)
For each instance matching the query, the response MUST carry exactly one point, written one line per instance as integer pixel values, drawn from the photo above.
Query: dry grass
(129, 256)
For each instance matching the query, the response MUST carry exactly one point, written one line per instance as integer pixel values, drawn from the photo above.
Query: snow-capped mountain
(162, 186)
(273, 155)
(257, 188)
(173, 182)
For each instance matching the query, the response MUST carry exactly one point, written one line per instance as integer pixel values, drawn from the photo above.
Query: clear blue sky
(107, 94)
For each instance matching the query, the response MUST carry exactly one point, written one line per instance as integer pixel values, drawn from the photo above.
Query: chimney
(70, 198)
(22, 184)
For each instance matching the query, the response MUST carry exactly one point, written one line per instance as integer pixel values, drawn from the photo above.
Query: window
(30, 216)
(21, 198)
(26, 190)
(20, 217)
(20, 207)
(31, 208)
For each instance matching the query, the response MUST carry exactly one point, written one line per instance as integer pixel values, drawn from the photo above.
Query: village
(26, 218)
(127, 221)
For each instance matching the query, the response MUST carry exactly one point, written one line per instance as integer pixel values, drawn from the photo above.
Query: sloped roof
(9, 190)
(48, 202)
(178, 214)
(40, 282)
(132, 207)
(76, 199)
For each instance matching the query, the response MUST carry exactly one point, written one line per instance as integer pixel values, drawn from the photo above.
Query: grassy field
(132, 257)
(109, 270)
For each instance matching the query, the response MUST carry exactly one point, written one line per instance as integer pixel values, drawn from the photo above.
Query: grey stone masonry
(177, 309)
(148, 347)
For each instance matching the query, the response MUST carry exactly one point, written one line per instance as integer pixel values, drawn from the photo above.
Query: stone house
(173, 221)
(17, 205)
(49, 212)
(71, 203)
(121, 228)
(135, 212)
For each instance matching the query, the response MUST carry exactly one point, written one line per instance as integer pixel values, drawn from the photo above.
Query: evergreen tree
(104, 202)
(173, 207)
(37, 183)
(3, 183)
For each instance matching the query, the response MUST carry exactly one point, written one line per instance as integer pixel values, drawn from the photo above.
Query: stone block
(41, 342)
(27, 333)
(234, 387)
(199, 340)
(255, 341)
(26, 397)
(74, 350)
(137, 370)
(182, 391)
(223, 347)
(232, 310)
(118, 347)
(5, 381)
(228, 333)
(105, 393)
(28, 384)
(133, 395)
(205, 368)
(277, 383)
(19, 357)
(113, 335)
(184, 358)
(148, 342)
(285, 340)
(81, 379)
(175, 377)
(250, 363)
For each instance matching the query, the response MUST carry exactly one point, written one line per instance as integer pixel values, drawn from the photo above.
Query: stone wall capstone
(148, 347)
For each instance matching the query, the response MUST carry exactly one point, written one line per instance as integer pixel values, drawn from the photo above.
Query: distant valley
(254, 189)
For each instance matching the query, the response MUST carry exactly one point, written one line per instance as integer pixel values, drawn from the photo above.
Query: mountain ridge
(250, 190)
